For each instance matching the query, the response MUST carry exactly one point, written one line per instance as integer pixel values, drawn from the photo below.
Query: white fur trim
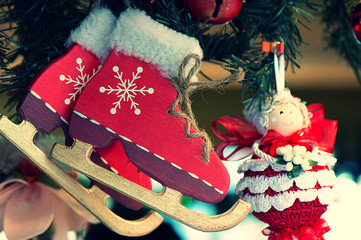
(94, 31)
(279, 183)
(136, 34)
(263, 203)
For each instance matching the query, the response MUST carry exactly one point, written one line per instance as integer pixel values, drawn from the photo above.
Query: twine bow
(184, 88)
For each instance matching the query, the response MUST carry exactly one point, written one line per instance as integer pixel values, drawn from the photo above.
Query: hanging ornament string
(279, 62)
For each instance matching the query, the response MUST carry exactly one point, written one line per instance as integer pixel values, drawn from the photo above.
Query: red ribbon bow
(324, 131)
(273, 140)
(313, 232)
(241, 133)
(321, 133)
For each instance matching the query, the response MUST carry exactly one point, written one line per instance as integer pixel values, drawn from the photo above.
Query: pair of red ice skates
(112, 89)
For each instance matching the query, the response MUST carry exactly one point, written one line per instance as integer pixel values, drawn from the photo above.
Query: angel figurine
(287, 176)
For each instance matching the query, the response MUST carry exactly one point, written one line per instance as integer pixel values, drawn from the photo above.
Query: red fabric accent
(241, 133)
(116, 157)
(324, 131)
(313, 232)
(321, 133)
(273, 140)
(299, 214)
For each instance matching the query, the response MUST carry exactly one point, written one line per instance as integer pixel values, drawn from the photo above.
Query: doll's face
(286, 119)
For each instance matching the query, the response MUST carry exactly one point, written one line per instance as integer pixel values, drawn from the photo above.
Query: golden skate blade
(167, 202)
(92, 199)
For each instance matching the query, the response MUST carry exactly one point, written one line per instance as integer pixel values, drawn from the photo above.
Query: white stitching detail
(95, 122)
(110, 130)
(125, 138)
(114, 170)
(104, 161)
(63, 119)
(207, 183)
(176, 166)
(35, 94)
(221, 192)
(161, 158)
(50, 107)
(143, 148)
(80, 114)
(193, 175)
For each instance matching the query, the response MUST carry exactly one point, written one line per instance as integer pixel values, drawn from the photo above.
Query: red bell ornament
(355, 19)
(217, 11)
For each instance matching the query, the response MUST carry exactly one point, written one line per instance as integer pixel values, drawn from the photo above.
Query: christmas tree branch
(269, 20)
(338, 33)
(44, 26)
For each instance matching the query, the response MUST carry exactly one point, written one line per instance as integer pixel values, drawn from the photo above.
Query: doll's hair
(259, 115)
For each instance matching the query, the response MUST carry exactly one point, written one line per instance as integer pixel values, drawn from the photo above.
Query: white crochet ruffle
(281, 182)
(281, 201)
(259, 164)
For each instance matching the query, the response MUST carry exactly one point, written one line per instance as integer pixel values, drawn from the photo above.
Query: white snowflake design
(126, 90)
(79, 82)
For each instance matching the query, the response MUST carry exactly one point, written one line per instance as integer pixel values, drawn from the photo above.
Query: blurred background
(323, 78)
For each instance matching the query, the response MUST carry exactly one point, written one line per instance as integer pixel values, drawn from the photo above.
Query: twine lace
(184, 88)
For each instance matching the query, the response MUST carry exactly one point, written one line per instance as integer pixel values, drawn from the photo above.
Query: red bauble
(355, 20)
(217, 11)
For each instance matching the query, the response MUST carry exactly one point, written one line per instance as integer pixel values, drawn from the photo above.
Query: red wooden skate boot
(130, 100)
(52, 94)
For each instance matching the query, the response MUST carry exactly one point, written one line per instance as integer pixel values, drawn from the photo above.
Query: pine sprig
(44, 26)
(41, 30)
(338, 33)
(173, 15)
(269, 20)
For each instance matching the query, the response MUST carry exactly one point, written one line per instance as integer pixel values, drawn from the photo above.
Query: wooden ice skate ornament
(92, 199)
(77, 158)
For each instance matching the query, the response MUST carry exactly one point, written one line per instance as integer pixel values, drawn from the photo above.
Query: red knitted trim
(269, 172)
(299, 214)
